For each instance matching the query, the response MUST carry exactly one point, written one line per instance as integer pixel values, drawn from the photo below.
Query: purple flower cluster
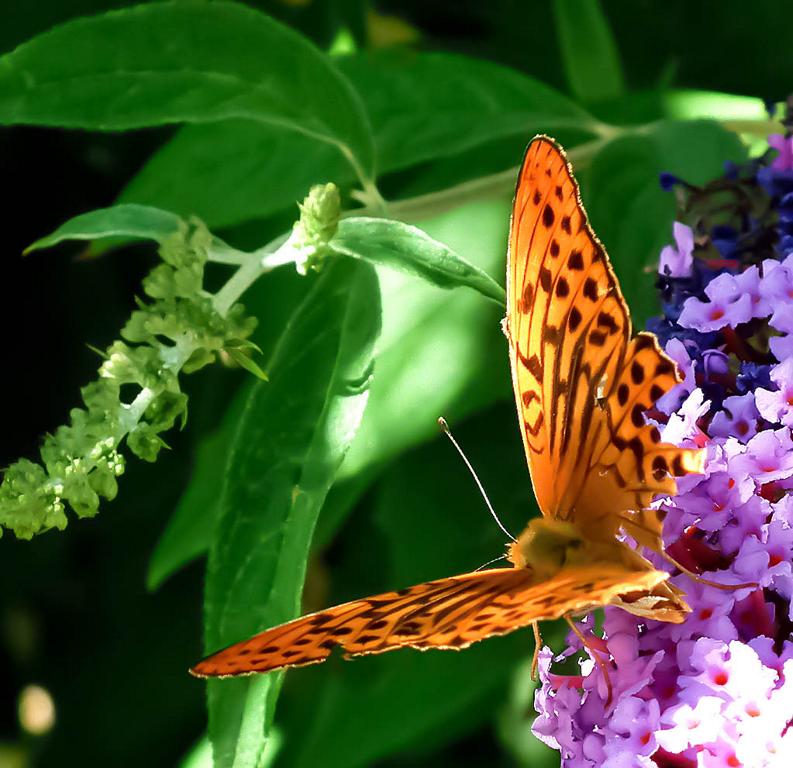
(716, 690)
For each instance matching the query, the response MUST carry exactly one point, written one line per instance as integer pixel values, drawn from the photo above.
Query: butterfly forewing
(447, 613)
(581, 384)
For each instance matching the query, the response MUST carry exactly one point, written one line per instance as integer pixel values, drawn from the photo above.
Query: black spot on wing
(660, 468)
(575, 261)
(605, 320)
(664, 368)
(642, 341)
(597, 338)
(551, 334)
(528, 295)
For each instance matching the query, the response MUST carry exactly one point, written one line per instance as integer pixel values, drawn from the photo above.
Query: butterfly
(582, 383)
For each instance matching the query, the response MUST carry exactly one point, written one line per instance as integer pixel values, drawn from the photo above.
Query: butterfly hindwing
(448, 613)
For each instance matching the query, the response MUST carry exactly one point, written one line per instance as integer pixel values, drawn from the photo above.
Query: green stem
(369, 192)
(496, 185)
(275, 254)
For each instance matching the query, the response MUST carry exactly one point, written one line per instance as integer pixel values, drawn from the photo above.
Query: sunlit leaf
(440, 353)
(223, 172)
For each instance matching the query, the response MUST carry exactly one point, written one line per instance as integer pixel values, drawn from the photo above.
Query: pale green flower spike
(178, 331)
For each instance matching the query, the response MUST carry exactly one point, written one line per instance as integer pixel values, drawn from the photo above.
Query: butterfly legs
(639, 525)
(594, 652)
(702, 580)
(591, 647)
(535, 628)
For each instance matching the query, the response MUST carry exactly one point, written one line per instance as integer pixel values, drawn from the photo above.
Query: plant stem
(275, 254)
(496, 185)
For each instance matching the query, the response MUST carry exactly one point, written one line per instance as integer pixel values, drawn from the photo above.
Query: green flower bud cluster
(177, 330)
(319, 219)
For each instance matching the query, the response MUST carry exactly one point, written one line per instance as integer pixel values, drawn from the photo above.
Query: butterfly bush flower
(716, 690)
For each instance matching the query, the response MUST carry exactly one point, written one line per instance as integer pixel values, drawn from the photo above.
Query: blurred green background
(101, 616)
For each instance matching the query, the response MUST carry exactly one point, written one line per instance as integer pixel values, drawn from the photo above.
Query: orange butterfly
(582, 385)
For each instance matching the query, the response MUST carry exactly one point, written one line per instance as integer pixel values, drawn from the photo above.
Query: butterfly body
(548, 547)
(582, 383)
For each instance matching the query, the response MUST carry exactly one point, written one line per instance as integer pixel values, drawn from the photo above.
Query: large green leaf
(630, 212)
(293, 435)
(589, 52)
(441, 353)
(422, 106)
(185, 61)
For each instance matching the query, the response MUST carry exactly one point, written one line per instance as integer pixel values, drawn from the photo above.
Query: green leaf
(130, 221)
(589, 52)
(630, 212)
(183, 61)
(409, 249)
(292, 438)
(422, 106)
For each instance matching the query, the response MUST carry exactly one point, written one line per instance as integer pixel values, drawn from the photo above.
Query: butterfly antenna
(490, 562)
(445, 427)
